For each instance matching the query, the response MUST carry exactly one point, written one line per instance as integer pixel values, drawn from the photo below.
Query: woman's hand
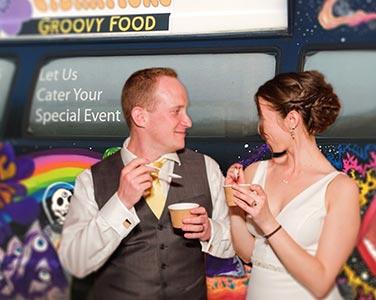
(235, 174)
(253, 200)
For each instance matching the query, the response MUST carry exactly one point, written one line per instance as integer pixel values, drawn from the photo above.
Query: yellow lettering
(150, 23)
(54, 26)
(65, 26)
(92, 24)
(89, 24)
(43, 27)
(128, 24)
(99, 23)
(79, 25)
(141, 22)
(113, 22)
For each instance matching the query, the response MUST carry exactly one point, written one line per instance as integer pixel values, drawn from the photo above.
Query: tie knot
(158, 163)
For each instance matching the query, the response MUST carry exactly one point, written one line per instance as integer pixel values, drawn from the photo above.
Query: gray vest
(155, 261)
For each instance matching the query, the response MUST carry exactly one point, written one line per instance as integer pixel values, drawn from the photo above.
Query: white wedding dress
(303, 219)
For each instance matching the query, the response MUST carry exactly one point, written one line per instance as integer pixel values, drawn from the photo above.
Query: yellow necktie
(155, 197)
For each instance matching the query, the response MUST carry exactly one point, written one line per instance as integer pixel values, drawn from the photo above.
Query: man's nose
(187, 121)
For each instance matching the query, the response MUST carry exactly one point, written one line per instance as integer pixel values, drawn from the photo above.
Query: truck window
(7, 70)
(352, 74)
(80, 96)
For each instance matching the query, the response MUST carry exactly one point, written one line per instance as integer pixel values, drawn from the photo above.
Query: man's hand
(197, 227)
(135, 178)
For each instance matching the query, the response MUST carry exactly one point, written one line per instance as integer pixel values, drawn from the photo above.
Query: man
(111, 228)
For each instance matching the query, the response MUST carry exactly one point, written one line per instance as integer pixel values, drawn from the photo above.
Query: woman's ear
(292, 119)
(139, 116)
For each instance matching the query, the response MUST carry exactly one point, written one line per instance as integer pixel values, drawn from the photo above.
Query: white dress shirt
(91, 235)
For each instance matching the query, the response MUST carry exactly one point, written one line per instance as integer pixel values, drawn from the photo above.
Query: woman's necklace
(279, 154)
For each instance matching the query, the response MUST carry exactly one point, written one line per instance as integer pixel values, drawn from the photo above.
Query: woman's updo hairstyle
(305, 92)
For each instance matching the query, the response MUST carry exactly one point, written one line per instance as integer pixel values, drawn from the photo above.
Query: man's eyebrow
(178, 106)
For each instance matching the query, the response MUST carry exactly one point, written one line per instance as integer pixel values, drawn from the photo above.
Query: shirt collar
(127, 155)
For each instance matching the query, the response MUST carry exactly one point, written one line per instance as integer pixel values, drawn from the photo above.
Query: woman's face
(271, 127)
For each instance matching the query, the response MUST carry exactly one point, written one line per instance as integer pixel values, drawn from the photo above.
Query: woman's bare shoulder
(250, 171)
(343, 187)
(344, 181)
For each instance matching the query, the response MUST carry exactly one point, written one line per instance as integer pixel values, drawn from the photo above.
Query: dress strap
(260, 174)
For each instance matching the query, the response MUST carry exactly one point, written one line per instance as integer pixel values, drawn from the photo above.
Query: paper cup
(180, 211)
(229, 192)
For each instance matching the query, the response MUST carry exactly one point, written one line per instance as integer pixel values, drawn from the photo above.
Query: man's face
(168, 121)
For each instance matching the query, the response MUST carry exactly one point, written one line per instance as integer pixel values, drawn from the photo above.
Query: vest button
(160, 227)
(162, 246)
(163, 266)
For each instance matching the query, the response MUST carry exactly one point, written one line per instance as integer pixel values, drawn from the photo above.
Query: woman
(298, 222)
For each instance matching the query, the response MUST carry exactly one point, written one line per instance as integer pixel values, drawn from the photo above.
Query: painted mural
(35, 188)
(35, 192)
(330, 19)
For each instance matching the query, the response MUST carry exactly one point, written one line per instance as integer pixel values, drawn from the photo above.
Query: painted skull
(60, 201)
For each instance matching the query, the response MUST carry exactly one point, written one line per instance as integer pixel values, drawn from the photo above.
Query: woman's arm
(242, 239)
(337, 240)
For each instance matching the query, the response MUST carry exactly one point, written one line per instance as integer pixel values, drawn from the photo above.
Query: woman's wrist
(273, 232)
(268, 225)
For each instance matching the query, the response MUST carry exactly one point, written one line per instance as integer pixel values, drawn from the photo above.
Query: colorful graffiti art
(35, 191)
(330, 19)
(34, 196)
(13, 14)
(357, 280)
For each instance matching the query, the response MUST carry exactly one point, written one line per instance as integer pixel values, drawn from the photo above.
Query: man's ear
(139, 116)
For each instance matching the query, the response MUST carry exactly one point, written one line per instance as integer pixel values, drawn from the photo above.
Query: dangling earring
(292, 132)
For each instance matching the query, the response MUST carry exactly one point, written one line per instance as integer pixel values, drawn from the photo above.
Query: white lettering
(84, 95)
(69, 74)
(90, 116)
(46, 117)
(44, 95)
(49, 75)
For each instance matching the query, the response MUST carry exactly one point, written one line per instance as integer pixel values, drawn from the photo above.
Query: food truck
(62, 67)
